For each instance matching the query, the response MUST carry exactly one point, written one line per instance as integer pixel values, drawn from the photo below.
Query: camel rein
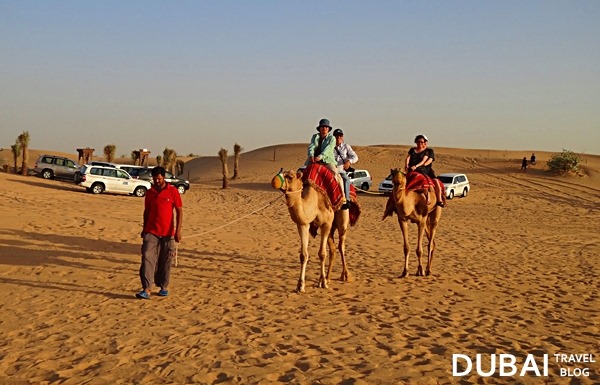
(225, 225)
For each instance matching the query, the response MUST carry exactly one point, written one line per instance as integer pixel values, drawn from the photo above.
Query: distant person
(419, 159)
(532, 160)
(160, 232)
(524, 164)
(344, 157)
(321, 150)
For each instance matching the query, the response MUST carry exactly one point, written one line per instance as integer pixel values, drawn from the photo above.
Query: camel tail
(313, 230)
(390, 208)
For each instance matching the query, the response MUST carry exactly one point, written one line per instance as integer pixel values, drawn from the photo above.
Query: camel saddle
(322, 179)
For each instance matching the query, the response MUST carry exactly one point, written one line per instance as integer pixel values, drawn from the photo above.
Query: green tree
(565, 162)
(16, 151)
(109, 152)
(24, 143)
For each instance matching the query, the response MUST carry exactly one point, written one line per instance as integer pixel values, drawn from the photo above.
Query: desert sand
(516, 271)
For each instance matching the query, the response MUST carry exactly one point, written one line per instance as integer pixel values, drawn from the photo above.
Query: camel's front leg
(303, 231)
(404, 228)
(420, 233)
(325, 228)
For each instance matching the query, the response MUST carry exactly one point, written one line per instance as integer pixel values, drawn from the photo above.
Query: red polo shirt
(159, 206)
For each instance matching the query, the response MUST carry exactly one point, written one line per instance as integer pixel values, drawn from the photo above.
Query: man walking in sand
(160, 232)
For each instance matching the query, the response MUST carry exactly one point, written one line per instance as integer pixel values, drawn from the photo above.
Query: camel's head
(398, 177)
(287, 181)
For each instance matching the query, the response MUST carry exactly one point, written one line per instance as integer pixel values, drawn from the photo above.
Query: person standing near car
(344, 157)
(163, 217)
(419, 159)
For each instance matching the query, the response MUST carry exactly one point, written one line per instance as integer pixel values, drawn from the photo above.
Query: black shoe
(345, 206)
(441, 204)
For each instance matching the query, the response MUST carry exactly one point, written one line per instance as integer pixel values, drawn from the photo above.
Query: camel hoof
(427, 272)
(420, 272)
(404, 274)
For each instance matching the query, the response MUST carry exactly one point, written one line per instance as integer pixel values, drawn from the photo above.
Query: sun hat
(324, 123)
(421, 136)
(338, 132)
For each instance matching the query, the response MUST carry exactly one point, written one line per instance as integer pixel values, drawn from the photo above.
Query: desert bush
(109, 152)
(565, 162)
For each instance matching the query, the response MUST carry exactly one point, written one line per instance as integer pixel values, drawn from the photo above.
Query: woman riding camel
(419, 159)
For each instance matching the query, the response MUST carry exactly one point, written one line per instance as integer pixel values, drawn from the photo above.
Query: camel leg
(404, 228)
(325, 229)
(331, 249)
(432, 223)
(343, 233)
(421, 232)
(304, 236)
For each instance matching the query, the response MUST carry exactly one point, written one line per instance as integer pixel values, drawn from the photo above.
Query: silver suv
(97, 179)
(52, 166)
(361, 179)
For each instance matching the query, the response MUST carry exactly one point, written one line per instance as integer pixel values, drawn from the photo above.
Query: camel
(312, 210)
(414, 206)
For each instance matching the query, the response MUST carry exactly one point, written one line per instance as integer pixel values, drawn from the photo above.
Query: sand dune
(516, 271)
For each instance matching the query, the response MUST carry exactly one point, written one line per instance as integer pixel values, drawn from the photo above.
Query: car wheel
(77, 177)
(97, 188)
(451, 195)
(181, 189)
(365, 186)
(47, 174)
(139, 191)
(465, 192)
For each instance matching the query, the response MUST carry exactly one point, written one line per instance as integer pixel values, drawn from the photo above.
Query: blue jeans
(344, 176)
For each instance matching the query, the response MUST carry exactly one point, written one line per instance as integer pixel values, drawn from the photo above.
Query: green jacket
(327, 148)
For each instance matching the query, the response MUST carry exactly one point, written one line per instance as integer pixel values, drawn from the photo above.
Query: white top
(342, 153)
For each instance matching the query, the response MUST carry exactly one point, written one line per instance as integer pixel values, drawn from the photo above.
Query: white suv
(455, 184)
(97, 179)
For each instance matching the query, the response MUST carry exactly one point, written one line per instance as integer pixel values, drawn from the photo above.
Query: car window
(122, 174)
(109, 172)
(60, 162)
(359, 174)
(446, 179)
(70, 163)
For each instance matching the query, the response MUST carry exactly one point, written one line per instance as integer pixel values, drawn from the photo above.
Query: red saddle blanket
(322, 178)
(417, 181)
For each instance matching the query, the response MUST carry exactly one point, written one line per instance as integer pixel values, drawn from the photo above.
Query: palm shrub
(565, 162)
(23, 140)
(223, 159)
(16, 151)
(109, 152)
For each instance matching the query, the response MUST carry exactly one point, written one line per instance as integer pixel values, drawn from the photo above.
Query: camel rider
(321, 150)
(344, 157)
(419, 159)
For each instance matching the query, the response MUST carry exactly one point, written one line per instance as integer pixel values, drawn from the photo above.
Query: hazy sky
(196, 76)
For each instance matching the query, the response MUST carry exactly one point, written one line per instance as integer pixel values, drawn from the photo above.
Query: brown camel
(413, 206)
(311, 210)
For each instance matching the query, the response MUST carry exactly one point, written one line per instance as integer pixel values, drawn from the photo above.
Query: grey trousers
(157, 254)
